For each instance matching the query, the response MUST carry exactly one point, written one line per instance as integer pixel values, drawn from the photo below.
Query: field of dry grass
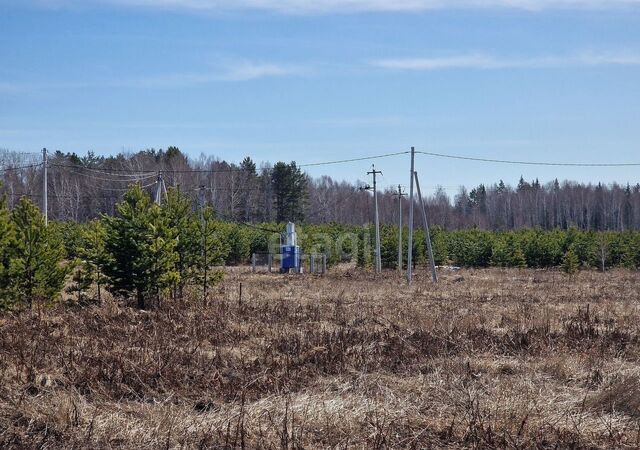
(486, 359)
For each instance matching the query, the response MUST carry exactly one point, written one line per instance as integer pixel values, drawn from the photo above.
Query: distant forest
(84, 187)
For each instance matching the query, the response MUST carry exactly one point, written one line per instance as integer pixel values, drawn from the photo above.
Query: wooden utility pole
(410, 249)
(45, 205)
(374, 172)
(400, 194)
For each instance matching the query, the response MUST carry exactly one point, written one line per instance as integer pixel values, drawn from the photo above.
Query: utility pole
(159, 183)
(45, 206)
(400, 194)
(203, 243)
(410, 249)
(201, 198)
(434, 273)
(374, 172)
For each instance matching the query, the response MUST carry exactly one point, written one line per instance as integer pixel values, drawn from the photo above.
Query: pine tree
(36, 268)
(518, 259)
(211, 251)
(7, 241)
(249, 180)
(140, 247)
(289, 192)
(365, 247)
(181, 219)
(570, 262)
(500, 252)
(629, 256)
(92, 255)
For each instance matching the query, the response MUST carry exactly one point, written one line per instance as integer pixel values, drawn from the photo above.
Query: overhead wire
(527, 163)
(82, 196)
(126, 188)
(105, 169)
(230, 169)
(125, 172)
(364, 158)
(105, 172)
(112, 180)
(28, 166)
(150, 172)
(217, 189)
(115, 175)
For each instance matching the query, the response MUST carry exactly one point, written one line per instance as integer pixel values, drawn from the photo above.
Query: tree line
(82, 188)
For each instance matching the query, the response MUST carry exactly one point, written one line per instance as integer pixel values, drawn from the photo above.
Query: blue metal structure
(290, 258)
(290, 251)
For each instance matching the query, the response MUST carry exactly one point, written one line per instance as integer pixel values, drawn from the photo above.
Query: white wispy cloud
(341, 6)
(488, 62)
(236, 71)
(246, 70)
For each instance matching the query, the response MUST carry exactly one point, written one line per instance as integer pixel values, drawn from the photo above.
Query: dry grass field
(486, 359)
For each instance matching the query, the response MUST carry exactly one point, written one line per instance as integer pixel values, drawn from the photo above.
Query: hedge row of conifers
(464, 248)
(474, 247)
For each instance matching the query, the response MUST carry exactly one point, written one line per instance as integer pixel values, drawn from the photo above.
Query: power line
(28, 166)
(528, 163)
(230, 169)
(112, 180)
(111, 173)
(73, 197)
(127, 188)
(218, 189)
(16, 152)
(344, 161)
(124, 172)
(105, 169)
(323, 163)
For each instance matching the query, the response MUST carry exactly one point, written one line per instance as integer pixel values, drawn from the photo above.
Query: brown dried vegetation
(492, 359)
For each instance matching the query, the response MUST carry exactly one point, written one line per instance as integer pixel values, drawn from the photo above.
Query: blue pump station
(290, 251)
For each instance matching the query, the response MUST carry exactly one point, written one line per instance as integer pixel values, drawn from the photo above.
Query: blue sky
(331, 79)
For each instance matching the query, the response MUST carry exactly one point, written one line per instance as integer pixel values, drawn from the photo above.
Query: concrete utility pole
(203, 243)
(400, 194)
(45, 205)
(201, 199)
(410, 249)
(374, 172)
(159, 189)
(434, 273)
